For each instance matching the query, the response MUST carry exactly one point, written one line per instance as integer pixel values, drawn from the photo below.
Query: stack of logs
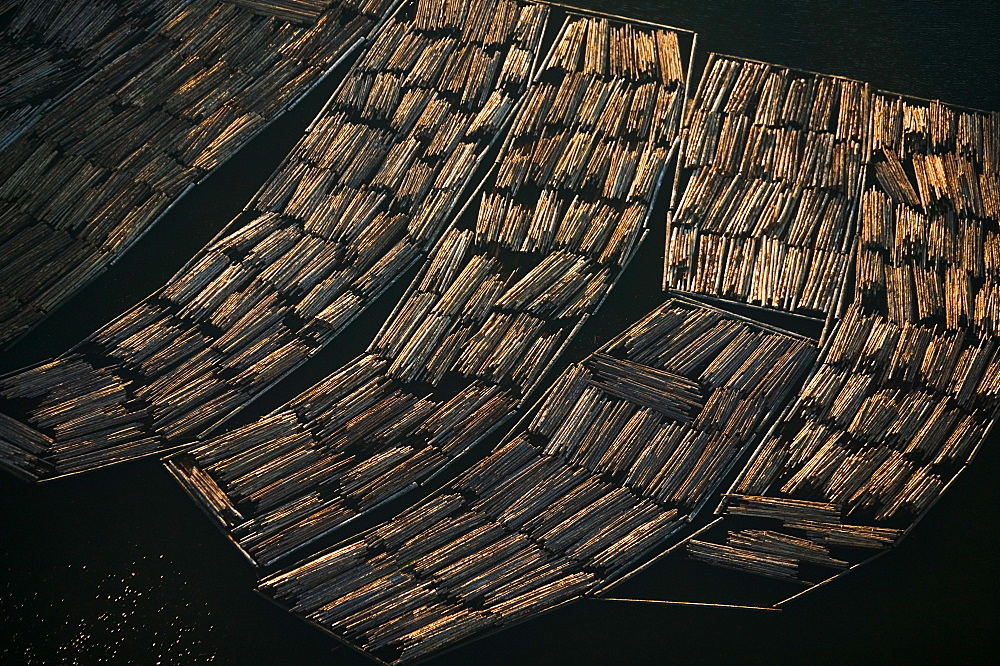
(572, 499)
(889, 417)
(361, 196)
(482, 322)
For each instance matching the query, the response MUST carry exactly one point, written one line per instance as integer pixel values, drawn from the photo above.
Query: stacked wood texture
(358, 200)
(889, 417)
(929, 219)
(807, 532)
(572, 499)
(886, 420)
(48, 47)
(486, 316)
(96, 169)
(905, 389)
(774, 159)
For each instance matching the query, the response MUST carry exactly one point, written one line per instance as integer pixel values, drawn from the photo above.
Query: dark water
(118, 566)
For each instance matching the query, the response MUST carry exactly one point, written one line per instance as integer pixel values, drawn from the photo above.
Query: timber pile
(783, 545)
(929, 238)
(358, 200)
(49, 46)
(486, 316)
(97, 169)
(730, 377)
(570, 501)
(774, 158)
(905, 389)
(889, 417)
(780, 554)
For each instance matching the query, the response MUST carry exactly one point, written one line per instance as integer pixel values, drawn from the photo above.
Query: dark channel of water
(118, 566)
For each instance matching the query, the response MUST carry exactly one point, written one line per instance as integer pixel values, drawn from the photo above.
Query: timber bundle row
(774, 158)
(572, 500)
(98, 168)
(807, 533)
(929, 249)
(49, 46)
(294, 11)
(890, 416)
(357, 201)
(480, 325)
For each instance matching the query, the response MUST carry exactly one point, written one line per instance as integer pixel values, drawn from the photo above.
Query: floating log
(492, 313)
(783, 545)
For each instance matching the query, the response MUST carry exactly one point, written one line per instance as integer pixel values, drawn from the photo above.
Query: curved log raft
(367, 191)
(82, 182)
(558, 218)
(573, 498)
(804, 193)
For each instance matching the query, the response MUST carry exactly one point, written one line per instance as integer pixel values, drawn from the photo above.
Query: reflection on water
(120, 567)
(134, 623)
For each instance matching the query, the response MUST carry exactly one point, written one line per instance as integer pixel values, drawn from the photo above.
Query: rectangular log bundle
(929, 234)
(330, 230)
(484, 318)
(774, 158)
(97, 169)
(889, 417)
(571, 500)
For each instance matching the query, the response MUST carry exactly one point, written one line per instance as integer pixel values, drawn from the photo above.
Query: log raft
(499, 298)
(574, 497)
(791, 180)
(368, 190)
(905, 391)
(84, 177)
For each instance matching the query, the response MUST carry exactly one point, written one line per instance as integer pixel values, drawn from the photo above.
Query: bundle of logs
(358, 200)
(574, 498)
